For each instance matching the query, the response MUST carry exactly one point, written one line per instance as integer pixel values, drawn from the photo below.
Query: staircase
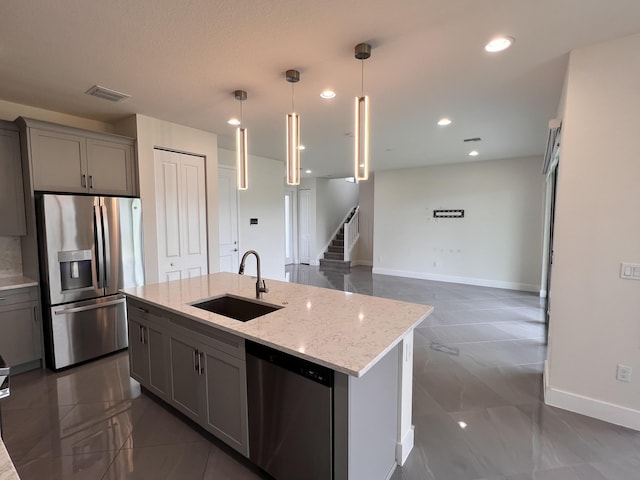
(337, 256)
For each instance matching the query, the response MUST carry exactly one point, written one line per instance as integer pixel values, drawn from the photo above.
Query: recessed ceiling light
(473, 153)
(308, 171)
(328, 94)
(499, 44)
(443, 122)
(462, 425)
(301, 147)
(233, 121)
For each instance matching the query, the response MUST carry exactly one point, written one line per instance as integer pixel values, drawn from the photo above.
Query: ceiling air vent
(474, 139)
(106, 93)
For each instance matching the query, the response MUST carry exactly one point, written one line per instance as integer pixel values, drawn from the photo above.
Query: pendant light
(361, 131)
(241, 145)
(293, 135)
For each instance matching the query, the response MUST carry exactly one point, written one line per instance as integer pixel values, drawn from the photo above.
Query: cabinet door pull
(35, 314)
(140, 333)
(196, 367)
(2, 299)
(201, 362)
(90, 181)
(143, 310)
(144, 335)
(83, 180)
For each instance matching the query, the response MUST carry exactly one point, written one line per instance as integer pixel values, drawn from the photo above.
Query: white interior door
(289, 226)
(304, 213)
(181, 214)
(228, 219)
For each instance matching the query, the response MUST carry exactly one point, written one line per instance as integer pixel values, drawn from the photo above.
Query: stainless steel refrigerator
(89, 247)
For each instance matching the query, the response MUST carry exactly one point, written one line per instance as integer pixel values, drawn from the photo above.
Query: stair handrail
(351, 233)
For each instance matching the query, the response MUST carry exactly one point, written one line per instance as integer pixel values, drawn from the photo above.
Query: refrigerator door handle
(104, 219)
(95, 306)
(99, 243)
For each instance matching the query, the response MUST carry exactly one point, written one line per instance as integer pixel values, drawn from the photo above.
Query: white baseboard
(404, 447)
(591, 407)
(482, 282)
(364, 263)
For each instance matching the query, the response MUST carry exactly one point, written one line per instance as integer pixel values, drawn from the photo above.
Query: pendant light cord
(362, 77)
(241, 123)
(293, 108)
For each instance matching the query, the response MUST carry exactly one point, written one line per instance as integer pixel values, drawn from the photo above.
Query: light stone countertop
(344, 331)
(7, 470)
(18, 281)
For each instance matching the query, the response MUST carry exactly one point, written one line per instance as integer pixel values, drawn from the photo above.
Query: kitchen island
(195, 360)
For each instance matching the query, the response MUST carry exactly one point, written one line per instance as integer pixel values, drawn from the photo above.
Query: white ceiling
(181, 61)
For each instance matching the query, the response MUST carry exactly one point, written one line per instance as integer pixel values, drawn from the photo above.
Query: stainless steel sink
(238, 308)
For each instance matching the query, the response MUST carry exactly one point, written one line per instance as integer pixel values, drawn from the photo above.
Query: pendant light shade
(361, 134)
(293, 149)
(241, 158)
(241, 146)
(293, 135)
(361, 129)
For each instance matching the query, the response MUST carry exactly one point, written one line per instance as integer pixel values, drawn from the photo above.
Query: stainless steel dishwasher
(290, 415)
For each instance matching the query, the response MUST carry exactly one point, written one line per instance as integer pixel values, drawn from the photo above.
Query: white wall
(364, 253)
(335, 198)
(151, 133)
(10, 111)
(264, 200)
(595, 315)
(499, 241)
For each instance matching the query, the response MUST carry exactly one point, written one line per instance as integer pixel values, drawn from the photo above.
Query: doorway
(290, 226)
(304, 212)
(228, 219)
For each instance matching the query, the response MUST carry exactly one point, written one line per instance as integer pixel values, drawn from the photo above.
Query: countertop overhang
(17, 281)
(344, 331)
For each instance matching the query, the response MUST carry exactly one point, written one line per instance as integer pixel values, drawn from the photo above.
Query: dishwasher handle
(312, 371)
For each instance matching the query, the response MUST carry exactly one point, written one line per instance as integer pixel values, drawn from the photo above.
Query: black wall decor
(448, 214)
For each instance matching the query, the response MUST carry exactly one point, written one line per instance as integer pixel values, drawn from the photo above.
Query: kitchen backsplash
(10, 257)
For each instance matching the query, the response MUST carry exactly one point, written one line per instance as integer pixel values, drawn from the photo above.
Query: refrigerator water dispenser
(75, 269)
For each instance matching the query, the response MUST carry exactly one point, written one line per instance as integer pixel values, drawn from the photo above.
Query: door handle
(83, 180)
(235, 249)
(143, 310)
(145, 335)
(90, 181)
(196, 367)
(201, 362)
(104, 220)
(35, 314)
(140, 333)
(94, 306)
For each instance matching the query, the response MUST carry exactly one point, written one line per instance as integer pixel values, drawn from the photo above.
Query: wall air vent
(106, 94)
(474, 139)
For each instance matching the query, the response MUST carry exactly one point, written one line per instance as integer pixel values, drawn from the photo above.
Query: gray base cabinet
(199, 370)
(71, 160)
(148, 350)
(12, 218)
(20, 327)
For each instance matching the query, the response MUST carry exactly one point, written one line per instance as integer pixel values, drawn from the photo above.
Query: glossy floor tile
(477, 405)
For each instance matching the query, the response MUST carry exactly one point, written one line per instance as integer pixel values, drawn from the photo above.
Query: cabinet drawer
(211, 336)
(146, 313)
(18, 295)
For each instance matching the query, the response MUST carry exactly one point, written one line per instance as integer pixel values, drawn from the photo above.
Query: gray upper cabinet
(70, 160)
(12, 219)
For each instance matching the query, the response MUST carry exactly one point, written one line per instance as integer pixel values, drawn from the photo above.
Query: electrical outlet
(623, 373)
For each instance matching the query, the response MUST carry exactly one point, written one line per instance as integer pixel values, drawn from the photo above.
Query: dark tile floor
(477, 405)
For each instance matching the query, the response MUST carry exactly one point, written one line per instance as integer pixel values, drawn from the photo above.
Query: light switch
(630, 271)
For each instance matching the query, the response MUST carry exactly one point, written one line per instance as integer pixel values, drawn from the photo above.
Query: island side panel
(405, 437)
(369, 431)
